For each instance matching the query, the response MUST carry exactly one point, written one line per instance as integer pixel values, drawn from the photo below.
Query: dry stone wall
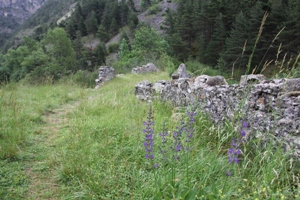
(269, 106)
(105, 73)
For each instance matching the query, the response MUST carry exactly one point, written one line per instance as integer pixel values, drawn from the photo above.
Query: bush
(113, 47)
(84, 78)
(198, 68)
(295, 72)
(154, 9)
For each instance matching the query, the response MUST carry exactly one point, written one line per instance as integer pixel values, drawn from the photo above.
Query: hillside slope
(15, 12)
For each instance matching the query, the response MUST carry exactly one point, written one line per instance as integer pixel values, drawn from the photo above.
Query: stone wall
(105, 73)
(268, 106)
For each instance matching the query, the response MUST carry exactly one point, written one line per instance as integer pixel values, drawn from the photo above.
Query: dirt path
(42, 163)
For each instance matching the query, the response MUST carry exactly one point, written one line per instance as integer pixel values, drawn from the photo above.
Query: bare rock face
(105, 74)
(18, 11)
(148, 68)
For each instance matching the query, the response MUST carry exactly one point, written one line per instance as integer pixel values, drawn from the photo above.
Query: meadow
(64, 141)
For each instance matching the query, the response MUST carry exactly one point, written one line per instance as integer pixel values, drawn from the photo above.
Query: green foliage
(147, 41)
(84, 79)
(91, 23)
(102, 33)
(113, 47)
(12, 180)
(100, 54)
(225, 33)
(199, 69)
(124, 49)
(147, 46)
(60, 48)
(154, 9)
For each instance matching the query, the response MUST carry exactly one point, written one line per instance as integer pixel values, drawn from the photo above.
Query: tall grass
(99, 153)
(22, 108)
(103, 156)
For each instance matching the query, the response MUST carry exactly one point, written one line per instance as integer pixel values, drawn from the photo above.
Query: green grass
(88, 144)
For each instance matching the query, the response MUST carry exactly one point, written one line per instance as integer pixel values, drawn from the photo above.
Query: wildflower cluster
(235, 149)
(182, 136)
(148, 143)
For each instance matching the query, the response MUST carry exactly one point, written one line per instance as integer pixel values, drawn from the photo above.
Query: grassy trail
(42, 165)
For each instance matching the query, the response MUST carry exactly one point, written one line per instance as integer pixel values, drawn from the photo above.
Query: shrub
(154, 9)
(113, 47)
(84, 78)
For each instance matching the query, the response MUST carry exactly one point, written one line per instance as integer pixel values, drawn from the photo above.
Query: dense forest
(224, 34)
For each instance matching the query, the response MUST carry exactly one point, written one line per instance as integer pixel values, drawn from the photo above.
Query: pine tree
(291, 34)
(100, 54)
(81, 27)
(71, 29)
(113, 28)
(91, 23)
(216, 44)
(102, 33)
(236, 51)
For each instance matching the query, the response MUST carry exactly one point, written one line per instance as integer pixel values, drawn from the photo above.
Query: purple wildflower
(233, 155)
(235, 149)
(148, 143)
(243, 133)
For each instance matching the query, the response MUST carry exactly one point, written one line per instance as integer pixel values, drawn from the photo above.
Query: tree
(102, 33)
(59, 47)
(71, 29)
(81, 27)
(145, 3)
(100, 54)
(36, 59)
(113, 28)
(291, 34)
(13, 60)
(124, 49)
(79, 51)
(147, 41)
(216, 44)
(236, 50)
(92, 23)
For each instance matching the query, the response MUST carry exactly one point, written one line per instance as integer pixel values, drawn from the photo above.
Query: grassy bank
(89, 144)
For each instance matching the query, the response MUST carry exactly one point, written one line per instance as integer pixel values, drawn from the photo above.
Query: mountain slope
(14, 12)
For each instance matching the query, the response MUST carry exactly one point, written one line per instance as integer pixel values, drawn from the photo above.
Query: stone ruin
(148, 68)
(105, 74)
(268, 106)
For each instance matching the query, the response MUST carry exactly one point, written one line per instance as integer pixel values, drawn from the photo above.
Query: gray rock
(181, 72)
(252, 78)
(148, 68)
(105, 73)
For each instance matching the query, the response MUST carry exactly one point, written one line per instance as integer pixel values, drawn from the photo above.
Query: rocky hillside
(15, 12)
